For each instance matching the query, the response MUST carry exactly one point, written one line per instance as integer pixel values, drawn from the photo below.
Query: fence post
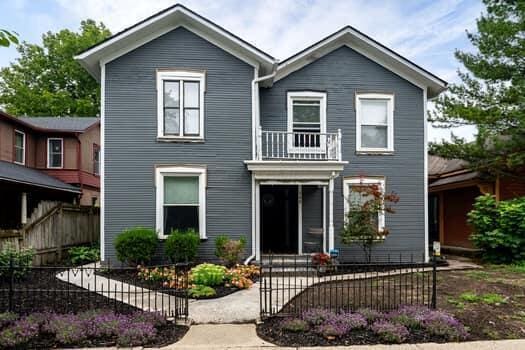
(11, 282)
(434, 281)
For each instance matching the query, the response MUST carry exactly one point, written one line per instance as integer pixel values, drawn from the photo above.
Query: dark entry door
(279, 219)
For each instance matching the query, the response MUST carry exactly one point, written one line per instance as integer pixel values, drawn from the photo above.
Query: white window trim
(23, 147)
(390, 121)
(160, 172)
(365, 181)
(180, 75)
(49, 154)
(306, 95)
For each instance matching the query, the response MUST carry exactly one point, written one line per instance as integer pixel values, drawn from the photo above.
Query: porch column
(23, 218)
(331, 213)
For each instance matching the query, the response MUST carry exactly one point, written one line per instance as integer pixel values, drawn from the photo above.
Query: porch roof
(298, 171)
(20, 174)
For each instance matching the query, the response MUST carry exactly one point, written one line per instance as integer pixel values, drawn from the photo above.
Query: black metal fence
(292, 284)
(74, 289)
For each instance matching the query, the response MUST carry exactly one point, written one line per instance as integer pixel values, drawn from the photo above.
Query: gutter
(255, 125)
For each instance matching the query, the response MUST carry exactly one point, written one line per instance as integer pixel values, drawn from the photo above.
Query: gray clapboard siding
(132, 150)
(342, 73)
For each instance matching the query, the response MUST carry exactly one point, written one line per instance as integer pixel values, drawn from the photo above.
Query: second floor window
(20, 147)
(180, 97)
(306, 119)
(375, 122)
(55, 153)
(96, 159)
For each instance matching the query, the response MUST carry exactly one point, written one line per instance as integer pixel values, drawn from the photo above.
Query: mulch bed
(130, 276)
(271, 331)
(40, 290)
(166, 335)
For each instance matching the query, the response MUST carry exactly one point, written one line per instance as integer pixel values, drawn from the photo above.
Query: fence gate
(292, 284)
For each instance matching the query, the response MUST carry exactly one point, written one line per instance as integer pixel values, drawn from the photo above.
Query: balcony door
(306, 122)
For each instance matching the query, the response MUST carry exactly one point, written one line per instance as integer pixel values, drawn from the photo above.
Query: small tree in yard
(361, 227)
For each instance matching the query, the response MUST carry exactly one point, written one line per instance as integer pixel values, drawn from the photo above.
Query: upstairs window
(181, 200)
(180, 96)
(20, 147)
(96, 159)
(55, 153)
(306, 119)
(375, 122)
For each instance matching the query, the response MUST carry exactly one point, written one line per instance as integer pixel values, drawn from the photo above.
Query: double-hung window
(55, 153)
(180, 110)
(375, 122)
(306, 121)
(96, 159)
(355, 197)
(181, 199)
(20, 147)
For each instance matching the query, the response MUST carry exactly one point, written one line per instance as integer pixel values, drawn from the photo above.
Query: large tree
(46, 80)
(491, 95)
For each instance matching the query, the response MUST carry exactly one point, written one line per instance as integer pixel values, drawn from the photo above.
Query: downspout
(255, 126)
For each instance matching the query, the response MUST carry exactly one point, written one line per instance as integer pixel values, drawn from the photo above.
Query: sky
(425, 31)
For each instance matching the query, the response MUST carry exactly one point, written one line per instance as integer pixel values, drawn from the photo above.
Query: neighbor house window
(55, 153)
(306, 120)
(355, 197)
(180, 96)
(375, 122)
(96, 159)
(20, 147)
(181, 199)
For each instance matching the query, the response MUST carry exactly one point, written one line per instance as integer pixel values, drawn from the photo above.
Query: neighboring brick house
(452, 190)
(47, 158)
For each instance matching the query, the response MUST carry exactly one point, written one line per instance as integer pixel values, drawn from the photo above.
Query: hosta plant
(208, 274)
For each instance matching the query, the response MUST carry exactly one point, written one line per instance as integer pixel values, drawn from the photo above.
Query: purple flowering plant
(390, 332)
(136, 333)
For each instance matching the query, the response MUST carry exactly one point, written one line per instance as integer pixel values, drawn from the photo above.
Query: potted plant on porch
(322, 262)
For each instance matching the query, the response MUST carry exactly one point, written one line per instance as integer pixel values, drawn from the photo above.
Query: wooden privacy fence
(53, 228)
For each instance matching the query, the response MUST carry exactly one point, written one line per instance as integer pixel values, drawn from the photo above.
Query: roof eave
(163, 22)
(363, 44)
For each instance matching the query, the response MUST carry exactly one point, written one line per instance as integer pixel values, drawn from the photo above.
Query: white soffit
(163, 22)
(369, 48)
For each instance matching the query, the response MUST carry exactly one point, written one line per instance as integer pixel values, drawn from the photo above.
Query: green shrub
(83, 255)
(200, 291)
(208, 274)
(499, 228)
(136, 245)
(230, 251)
(182, 246)
(20, 259)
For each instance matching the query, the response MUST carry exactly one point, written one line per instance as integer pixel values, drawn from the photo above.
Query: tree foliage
(491, 95)
(362, 219)
(46, 80)
(7, 38)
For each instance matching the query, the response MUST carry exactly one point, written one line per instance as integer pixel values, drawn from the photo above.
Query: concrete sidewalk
(244, 337)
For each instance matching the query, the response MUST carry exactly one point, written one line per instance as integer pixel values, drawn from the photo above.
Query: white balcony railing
(283, 145)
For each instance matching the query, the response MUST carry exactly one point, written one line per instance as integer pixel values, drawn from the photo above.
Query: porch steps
(287, 263)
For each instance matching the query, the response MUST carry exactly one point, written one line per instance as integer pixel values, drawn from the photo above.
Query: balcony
(298, 146)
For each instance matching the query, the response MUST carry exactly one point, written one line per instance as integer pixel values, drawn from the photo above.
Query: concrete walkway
(244, 337)
(239, 307)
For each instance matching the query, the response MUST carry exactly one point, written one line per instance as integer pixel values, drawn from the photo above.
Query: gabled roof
(15, 173)
(439, 166)
(368, 47)
(163, 22)
(53, 124)
(72, 124)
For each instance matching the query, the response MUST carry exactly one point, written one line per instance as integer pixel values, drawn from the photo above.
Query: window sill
(374, 153)
(180, 139)
(165, 237)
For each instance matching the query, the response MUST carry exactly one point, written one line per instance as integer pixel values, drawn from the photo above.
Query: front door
(279, 229)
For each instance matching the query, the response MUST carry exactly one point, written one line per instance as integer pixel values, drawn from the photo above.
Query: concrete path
(244, 337)
(239, 307)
